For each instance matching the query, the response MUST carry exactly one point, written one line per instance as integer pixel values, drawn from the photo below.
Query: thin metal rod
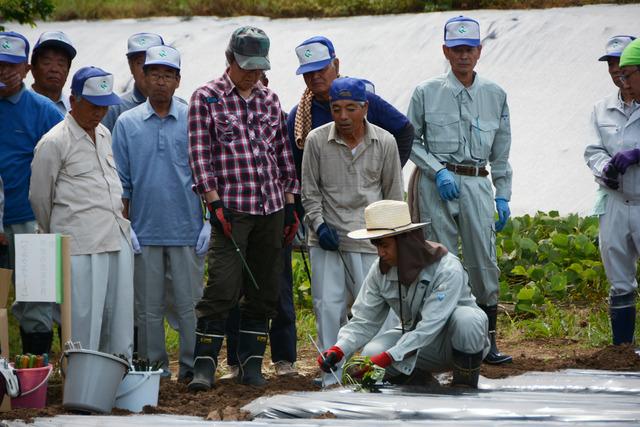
(346, 267)
(244, 262)
(306, 266)
(322, 355)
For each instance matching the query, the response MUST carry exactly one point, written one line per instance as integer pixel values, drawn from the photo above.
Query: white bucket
(138, 389)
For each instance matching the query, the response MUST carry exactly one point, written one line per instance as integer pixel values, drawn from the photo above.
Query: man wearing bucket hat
(441, 327)
(137, 46)
(619, 167)
(347, 164)
(243, 168)
(26, 117)
(75, 190)
(50, 63)
(171, 242)
(462, 126)
(610, 125)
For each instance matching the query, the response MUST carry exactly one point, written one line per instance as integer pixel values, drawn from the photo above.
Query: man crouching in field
(441, 327)
(75, 190)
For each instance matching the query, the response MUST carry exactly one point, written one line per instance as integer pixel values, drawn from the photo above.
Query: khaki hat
(385, 218)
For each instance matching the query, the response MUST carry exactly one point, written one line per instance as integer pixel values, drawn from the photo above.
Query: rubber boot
(36, 342)
(209, 337)
(466, 369)
(622, 311)
(252, 342)
(494, 357)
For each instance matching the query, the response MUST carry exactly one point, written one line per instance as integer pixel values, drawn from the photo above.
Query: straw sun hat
(385, 218)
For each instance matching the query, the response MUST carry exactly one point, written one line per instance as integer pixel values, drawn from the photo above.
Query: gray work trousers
(157, 269)
(465, 331)
(470, 218)
(32, 316)
(102, 300)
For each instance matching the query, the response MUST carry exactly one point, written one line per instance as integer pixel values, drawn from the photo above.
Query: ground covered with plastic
(225, 401)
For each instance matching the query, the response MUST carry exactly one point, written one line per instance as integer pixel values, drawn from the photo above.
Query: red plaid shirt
(239, 148)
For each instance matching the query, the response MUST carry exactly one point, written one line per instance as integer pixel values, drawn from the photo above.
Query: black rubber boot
(209, 337)
(36, 342)
(494, 357)
(622, 311)
(466, 369)
(252, 342)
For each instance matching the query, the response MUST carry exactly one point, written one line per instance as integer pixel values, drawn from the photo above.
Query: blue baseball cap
(95, 85)
(348, 88)
(14, 47)
(314, 54)
(2, 85)
(163, 55)
(461, 31)
(615, 46)
(55, 39)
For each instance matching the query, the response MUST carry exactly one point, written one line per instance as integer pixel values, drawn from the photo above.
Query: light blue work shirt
(462, 125)
(152, 158)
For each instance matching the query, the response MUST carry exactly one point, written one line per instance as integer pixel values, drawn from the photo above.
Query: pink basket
(33, 387)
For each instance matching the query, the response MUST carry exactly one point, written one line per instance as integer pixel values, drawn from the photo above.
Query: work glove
(502, 206)
(329, 360)
(220, 217)
(202, 245)
(383, 360)
(610, 177)
(134, 243)
(291, 223)
(328, 237)
(447, 186)
(624, 159)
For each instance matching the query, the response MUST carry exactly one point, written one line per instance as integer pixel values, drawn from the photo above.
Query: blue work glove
(328, 237)
(202, 246)
(134, 243)
(447, 186)
(624, 159)
(502, 206)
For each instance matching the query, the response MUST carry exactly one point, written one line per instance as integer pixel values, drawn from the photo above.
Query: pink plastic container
(33, 387)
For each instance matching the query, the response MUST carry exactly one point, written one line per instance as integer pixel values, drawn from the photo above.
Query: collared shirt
(26, 117)
(152, 155)
(62, 104)
(337, 184)
(427, 305)
(130, 99)
(239, 147)
(614, 128)
(75, 189)
(456, 124)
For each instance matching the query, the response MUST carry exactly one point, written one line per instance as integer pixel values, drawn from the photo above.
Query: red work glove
(291, 223)
(330, 359)
(383, 360)
(220, 217)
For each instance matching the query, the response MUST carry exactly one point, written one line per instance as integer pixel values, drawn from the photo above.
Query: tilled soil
(226, 399)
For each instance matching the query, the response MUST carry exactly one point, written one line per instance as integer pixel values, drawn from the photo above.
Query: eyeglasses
(625, 78)
(164, 77)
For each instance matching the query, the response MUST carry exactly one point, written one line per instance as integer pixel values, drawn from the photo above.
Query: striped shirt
(239, 147)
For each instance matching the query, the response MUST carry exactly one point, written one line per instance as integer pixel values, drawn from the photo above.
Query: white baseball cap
(615, 46)
(14, 47)
(140, 42)
(95, 85)
(461, 31)
(55, 39)
(163, 55)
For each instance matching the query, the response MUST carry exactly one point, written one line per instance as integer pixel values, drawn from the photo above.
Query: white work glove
(134, 243)
(202, 246)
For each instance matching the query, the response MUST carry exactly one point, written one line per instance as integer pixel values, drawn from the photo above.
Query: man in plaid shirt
(243, 168)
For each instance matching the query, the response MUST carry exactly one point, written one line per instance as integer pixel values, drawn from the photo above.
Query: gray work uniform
(337, 184)
(469, 126)
(75, 190)
(437, 310)
(614, 128)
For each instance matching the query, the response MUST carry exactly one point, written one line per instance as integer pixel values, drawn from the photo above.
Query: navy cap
(14, 47)
(55, 39)
(95, 85)
(461, 31)
(314, 54)
(615, 46)
(348, 88)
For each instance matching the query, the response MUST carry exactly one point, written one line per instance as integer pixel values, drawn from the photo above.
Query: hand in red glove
(291, 223)
(220, 217)
(383, 360)
(330, 359)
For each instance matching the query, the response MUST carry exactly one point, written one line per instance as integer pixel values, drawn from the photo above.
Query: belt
(467, 169)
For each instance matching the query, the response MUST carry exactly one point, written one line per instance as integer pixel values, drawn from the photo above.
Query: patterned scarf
(302, 125)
